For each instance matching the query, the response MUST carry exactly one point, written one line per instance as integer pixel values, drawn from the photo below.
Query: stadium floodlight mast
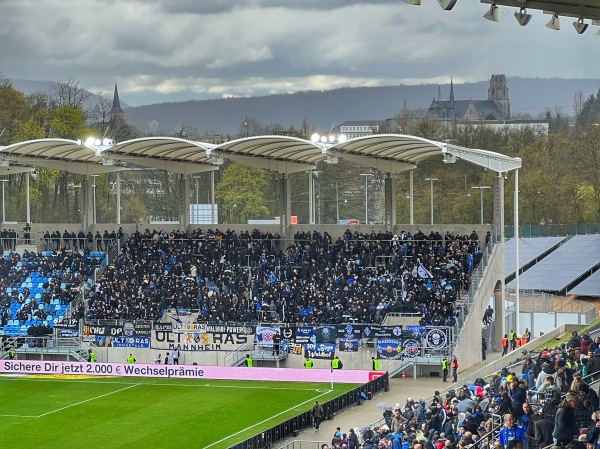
(522, 17)
(493, 14)
(580, 26)
(554, 22)
(447, 5)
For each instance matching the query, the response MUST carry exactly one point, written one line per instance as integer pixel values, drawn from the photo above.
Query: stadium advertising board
(348, 345)
(216, 338)
(389, 348)
(34, 367)
(319, 350)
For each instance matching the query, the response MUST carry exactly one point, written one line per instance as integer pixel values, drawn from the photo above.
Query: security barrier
(292, 426)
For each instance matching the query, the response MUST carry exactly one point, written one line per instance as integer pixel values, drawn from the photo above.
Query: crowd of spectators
(257, 275)
(508, 410)
(64, 274)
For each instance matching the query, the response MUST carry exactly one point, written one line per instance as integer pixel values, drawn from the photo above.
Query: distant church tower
(498, 93)
(116, 112)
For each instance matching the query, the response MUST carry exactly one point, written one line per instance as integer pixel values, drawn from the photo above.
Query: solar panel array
(560, 268)
(529, 250)
(589, 287)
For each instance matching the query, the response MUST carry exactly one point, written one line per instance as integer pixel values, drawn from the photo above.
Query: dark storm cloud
(166, 49)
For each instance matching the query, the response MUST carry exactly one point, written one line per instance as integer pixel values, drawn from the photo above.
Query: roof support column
(311, 203)
(390, 202)
(411, 199)
(184, 202)
(88, 202)
(27, 194)
(498, 231)
(118, 198)
(285, 196)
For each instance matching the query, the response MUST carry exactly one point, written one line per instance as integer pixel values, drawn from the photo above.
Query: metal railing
(553, 230)
(37, 347)
(463, 303)
(234, 357)
(304, 420)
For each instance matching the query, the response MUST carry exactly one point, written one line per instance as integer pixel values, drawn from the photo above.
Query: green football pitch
(45, 412)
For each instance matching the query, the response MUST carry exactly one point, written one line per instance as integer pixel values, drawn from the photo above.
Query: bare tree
(100, 113)
(69, 93)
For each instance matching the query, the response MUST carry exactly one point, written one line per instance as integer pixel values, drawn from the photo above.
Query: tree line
(559, 180)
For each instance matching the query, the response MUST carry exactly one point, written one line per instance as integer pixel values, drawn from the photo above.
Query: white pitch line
(17, 416)
(266, 420)
(87, 400)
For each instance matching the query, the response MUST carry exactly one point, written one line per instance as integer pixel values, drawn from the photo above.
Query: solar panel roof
(563, 266)
(529, 250)
(589, 287)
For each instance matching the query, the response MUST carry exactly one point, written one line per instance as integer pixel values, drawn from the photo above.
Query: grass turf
(45, 412)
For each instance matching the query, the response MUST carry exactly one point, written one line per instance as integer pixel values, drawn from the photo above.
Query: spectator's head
(572, 400)
(514, 444)
(509, 421)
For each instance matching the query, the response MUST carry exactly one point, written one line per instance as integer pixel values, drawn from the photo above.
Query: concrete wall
(468, 347)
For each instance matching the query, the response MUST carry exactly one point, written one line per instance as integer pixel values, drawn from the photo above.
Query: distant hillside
(28, 87)
(322, 109)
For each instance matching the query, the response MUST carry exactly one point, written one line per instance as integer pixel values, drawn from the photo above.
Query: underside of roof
(391, 153)
(585, 9)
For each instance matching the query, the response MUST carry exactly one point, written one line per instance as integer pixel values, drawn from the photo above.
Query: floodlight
(89, 141)
(107, 142)
(97, 142)
(342, 138)
(554, 23)
(331, 138)
(323, 139)
(580, 26)
(522, 17)
(447, 5)
(412, 2)
(493, 14)
(315, 138)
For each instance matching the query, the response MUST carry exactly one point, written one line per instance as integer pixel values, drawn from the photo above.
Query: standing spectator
(176, 355)
(510, 431)
(565, 423)
(317, 413)
(483, 349)
(98, 238)
(158, 360)
(454, 366)
(27, 233)
(593, 365)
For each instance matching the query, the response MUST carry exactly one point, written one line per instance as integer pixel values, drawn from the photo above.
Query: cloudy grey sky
(162, 50)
